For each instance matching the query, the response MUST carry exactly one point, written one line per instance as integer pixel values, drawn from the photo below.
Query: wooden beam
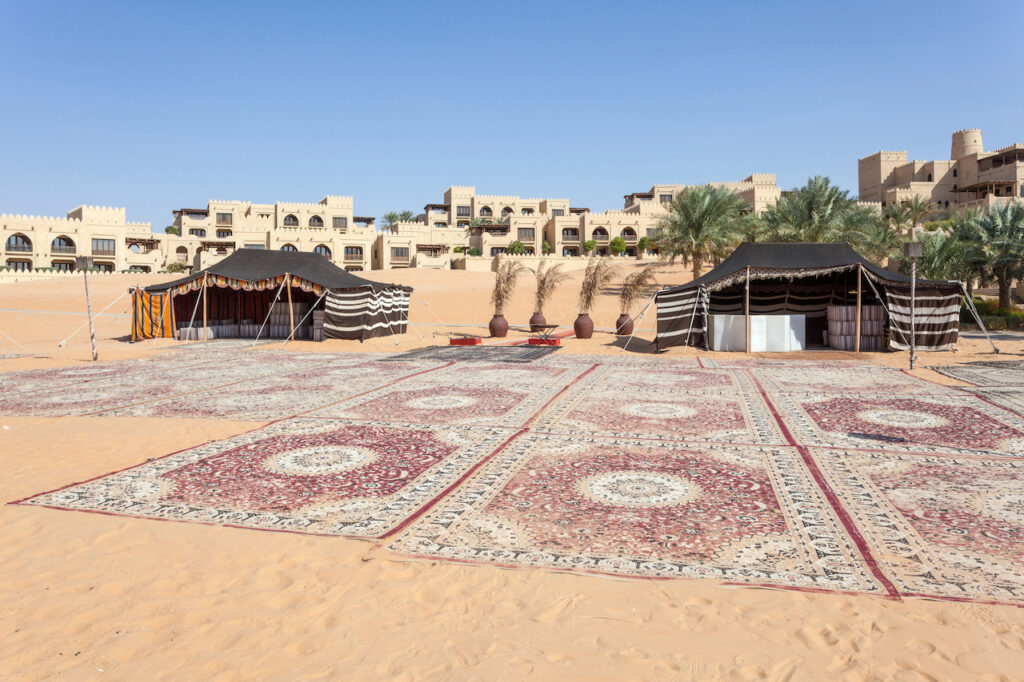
(746, 308)
(205, 302)
(860, 277)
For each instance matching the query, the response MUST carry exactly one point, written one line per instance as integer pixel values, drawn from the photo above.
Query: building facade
(463, 223)
(487, 224)
(970, 178)
(101, 233)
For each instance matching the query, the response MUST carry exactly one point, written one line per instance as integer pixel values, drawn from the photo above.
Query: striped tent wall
(365, 313)
(682, 318)
(936, 317)
(152, 315)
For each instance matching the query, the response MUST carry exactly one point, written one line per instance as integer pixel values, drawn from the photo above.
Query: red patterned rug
(637, 508)
(709, 405)
(309, 476)
(948, 527)
(953, 423)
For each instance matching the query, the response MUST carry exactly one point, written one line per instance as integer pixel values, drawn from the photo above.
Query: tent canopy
(258, 265)
(805, 278)
(764, 258)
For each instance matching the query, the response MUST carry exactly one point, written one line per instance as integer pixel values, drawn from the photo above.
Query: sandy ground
(86, 596)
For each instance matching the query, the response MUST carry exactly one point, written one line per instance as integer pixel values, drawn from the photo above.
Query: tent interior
(808, 296)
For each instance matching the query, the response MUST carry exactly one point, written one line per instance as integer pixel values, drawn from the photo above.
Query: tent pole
(267, 318)
(977, 317)
(291, 309)
(195, 309)
(205, 306)
(642, 314)
(860, 277)
(746, 308)
(913, 312)
(311, 309)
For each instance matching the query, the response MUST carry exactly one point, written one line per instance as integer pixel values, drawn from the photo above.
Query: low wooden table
(545, 336)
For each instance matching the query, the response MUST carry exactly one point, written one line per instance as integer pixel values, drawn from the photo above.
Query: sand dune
(87, 596)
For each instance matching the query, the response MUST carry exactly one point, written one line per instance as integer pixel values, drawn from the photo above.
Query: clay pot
(536, 321)
(583, 326)
(498, 326)
(624, 325)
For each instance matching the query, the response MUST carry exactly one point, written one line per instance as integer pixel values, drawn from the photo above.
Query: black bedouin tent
(244, 289)
(802, 278)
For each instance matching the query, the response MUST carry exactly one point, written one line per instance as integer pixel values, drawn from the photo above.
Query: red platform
(468, 341)
(545, 342)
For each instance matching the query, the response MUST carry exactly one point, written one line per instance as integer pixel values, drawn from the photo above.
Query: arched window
(486, 212)
(322, 250)
(954, 188)
(19, 242)
(291, 221)
(600, 234)
(288, 247)
(506, 211)
(62, 244)
(929, 177)
(181, 253)
(954, 172)
(197, 232)
(526, 211)
(628, 233)
(316, 221)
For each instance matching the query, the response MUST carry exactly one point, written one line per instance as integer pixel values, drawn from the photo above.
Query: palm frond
(634, 286)
(598, 274)
(548, 277)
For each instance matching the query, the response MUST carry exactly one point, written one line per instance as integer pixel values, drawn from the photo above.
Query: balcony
(570, 236)
(601, 238)
(354, 257)
(63, 250)
(20, 248)
(103, 252)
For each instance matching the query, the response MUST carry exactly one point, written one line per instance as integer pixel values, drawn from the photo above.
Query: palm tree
(917, 210)
(945, 257)
(701, 224)
(1001, 240)
(880, 241)
(392, 218)
(965, 229)
(818, 212)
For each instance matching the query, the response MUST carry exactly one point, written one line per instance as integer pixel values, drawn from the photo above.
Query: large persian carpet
(988, 373)
(806, 475)
(325, 477)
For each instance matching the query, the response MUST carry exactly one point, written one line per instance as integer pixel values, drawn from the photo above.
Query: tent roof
(795, 256)
(254, 265)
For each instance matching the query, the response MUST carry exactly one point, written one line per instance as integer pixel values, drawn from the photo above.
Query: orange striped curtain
(152, 315)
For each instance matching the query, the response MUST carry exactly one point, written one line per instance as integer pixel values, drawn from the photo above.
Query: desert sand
(88, 596)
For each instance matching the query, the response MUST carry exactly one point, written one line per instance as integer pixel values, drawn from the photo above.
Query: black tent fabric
(242, 287)
(258, 265)
(366, 313)
(802, 278)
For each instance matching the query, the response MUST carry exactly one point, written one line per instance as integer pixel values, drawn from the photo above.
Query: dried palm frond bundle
(548, 277)
(598, 274)
(505, 278)
(635, 286)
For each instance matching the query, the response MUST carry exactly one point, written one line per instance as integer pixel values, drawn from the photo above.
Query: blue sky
(155, 107)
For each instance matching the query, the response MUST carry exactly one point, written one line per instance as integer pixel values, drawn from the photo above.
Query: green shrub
(474, 252)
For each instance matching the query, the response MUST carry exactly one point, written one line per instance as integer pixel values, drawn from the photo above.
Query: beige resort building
(438, 238)
(970, 178)
(327, 227)
(489, 223)
(100, 232)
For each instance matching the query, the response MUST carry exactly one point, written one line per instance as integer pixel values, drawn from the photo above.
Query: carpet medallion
(955, 423)
(711, 408)
(942, 526)
(642, 509)
(311, 476)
